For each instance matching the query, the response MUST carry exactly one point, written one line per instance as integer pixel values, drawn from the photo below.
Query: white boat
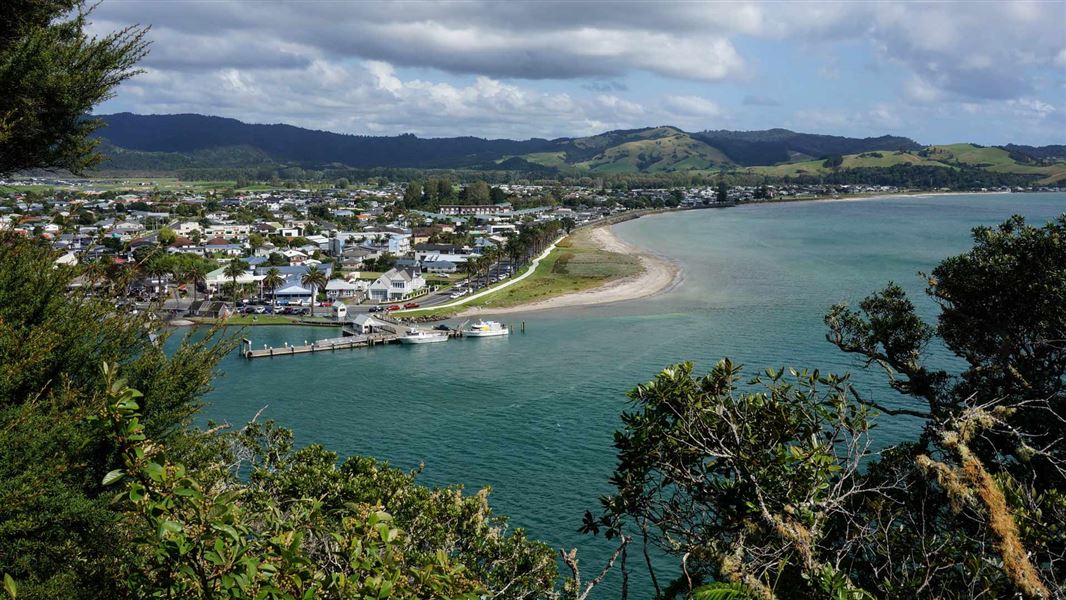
(486, 329)
(421, 336)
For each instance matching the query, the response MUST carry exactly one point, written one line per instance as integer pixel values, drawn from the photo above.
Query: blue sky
(984, 72)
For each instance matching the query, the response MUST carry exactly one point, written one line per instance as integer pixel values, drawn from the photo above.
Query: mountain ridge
(180, 141)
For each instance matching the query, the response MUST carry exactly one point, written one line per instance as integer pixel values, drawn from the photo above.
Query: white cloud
(693, 106)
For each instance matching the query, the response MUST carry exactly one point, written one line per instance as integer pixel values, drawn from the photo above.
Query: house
(365, 324)
(339, 311)
(207, 308)
(439, 266)
(292, 293)
(295, 257)
(339, 288)
(396, 284)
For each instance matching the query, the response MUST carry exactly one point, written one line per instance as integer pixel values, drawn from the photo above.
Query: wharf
(348, 342)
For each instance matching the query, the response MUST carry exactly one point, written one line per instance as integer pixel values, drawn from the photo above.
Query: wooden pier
(349, 342)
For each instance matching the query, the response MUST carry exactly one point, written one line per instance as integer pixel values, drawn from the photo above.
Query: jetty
(328, 345)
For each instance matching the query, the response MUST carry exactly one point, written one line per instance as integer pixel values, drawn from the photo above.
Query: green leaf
(10, 587)
(113, 477)
(722, 591)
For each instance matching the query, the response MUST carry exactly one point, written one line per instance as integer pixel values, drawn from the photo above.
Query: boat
(421, 336)
(486, 329)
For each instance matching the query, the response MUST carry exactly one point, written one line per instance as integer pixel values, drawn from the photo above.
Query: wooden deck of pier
(328, 345)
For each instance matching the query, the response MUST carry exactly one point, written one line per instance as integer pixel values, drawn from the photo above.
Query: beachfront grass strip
(576, 264)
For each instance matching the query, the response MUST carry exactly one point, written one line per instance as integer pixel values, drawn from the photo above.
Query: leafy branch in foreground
(52, 74)
(196, 538)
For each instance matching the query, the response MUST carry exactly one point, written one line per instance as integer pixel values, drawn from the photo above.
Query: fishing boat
(486, 329)
(421, 336)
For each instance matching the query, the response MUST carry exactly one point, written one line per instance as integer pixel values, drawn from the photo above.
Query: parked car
(393, 307)
(375, 309)
(411, 305)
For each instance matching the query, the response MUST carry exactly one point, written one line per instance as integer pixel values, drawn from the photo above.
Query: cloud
(565, 67)
(693, 106)
(754, 100)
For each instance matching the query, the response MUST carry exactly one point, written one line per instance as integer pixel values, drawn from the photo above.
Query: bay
(532, 415)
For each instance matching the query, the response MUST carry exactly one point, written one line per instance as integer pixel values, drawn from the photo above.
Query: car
(393, 307)
(259, 310)
(411, 305)
(374, 309)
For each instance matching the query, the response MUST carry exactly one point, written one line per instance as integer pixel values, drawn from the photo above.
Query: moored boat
(486, 329)
(421, 336)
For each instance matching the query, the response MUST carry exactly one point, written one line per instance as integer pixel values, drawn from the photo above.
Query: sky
(981, 72)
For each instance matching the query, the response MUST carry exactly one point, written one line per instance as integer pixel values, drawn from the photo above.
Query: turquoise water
(532, 415)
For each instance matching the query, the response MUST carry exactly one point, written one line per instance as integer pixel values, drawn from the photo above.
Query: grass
(576, 264)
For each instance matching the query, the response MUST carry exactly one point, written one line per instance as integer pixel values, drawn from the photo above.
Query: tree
(272, 281)
(342, 184)
(567, 224)
(234, 269)
(52, 74)
(167, 236)
(497, 195)
(722, 191)
(476, 193)
(61, 537)
(256, 241)
(194, 274)
(777, 490)
(316, 278)
(412, 194)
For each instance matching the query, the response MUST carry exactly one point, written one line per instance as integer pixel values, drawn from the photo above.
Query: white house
(396, 284)
(339, 288)
(339, 311)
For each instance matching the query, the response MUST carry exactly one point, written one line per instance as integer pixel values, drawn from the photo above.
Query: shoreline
(658, 275)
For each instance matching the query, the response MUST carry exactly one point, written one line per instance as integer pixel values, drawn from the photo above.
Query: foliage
(52, 74)
(776, 490)
(196, 536)
(58, 534)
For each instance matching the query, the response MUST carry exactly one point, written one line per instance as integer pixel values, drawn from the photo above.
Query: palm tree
(234, 269)
(316, 278)
(194, 274)
(155, 267)
(272, 281)
(514, 248)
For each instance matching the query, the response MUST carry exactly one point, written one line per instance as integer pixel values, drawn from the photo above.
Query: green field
(576, 264)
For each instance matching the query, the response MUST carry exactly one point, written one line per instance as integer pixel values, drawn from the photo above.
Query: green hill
(167, 144)
(950, 156)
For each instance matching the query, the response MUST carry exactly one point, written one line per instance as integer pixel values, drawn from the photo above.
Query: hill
(171, 143)
(951, 156)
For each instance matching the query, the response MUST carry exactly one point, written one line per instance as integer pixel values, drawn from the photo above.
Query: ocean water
(532, 415)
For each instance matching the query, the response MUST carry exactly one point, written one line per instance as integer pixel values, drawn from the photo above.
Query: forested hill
(189, 142)
(189, 133)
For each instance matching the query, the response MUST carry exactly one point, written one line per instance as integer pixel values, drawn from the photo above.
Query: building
(475, 209)
(396, 284)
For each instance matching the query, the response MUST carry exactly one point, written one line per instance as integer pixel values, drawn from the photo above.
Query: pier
(349, 342)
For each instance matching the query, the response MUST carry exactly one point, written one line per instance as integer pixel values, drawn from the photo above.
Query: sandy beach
(657, 275)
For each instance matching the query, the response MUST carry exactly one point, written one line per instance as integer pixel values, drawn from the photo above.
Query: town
(324, 255)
